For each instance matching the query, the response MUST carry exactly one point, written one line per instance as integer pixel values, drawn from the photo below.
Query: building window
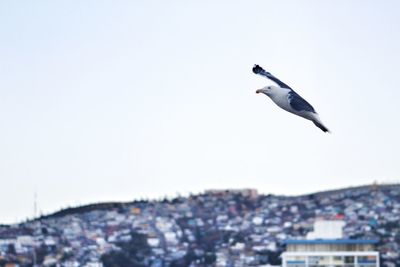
(315, 261)
(349, 259)
(366, 260)
(296, 263)
(337, 260)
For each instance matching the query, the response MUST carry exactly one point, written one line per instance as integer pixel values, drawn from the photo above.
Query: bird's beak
(259, 91)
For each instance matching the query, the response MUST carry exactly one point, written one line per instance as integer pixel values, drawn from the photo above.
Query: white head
(268, 90)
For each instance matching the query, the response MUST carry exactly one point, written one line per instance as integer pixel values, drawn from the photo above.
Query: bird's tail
(319, 124)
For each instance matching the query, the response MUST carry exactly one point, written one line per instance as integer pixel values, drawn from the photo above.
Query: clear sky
(119, 100)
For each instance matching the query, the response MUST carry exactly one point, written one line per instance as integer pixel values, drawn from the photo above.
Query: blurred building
(246, 192)
(325, 246)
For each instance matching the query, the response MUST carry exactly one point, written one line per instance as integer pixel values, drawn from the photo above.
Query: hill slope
(223, 227)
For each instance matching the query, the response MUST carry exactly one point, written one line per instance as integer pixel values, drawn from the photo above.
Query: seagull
(287, 99)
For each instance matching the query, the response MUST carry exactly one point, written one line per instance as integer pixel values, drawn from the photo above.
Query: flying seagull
(287, 99)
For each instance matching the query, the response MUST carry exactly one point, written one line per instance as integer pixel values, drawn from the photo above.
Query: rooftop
(330, 241)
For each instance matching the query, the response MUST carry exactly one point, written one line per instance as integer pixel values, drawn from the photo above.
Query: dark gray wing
(258, 70)
(298, 103)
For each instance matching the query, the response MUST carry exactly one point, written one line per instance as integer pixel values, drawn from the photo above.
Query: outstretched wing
(298, 103)
(258, 70)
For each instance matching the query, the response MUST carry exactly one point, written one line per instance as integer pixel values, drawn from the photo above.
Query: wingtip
(257, 69)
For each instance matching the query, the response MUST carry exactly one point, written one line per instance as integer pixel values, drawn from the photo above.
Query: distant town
(215, 228)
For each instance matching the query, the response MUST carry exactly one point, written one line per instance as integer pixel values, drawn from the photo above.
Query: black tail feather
(321, 126)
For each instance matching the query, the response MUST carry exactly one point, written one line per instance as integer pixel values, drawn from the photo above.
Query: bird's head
(267, 90)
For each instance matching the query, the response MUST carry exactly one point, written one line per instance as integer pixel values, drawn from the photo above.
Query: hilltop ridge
(120, 204)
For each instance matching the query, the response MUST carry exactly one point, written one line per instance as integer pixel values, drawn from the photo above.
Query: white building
(327, 230)
(326, 247)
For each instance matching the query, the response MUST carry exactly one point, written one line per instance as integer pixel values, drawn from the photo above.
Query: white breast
(280, 97)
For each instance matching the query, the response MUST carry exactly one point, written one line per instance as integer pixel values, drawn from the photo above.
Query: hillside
(222, 228)
(121, 205)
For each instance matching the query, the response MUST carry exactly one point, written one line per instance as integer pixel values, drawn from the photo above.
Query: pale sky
(120, 100)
